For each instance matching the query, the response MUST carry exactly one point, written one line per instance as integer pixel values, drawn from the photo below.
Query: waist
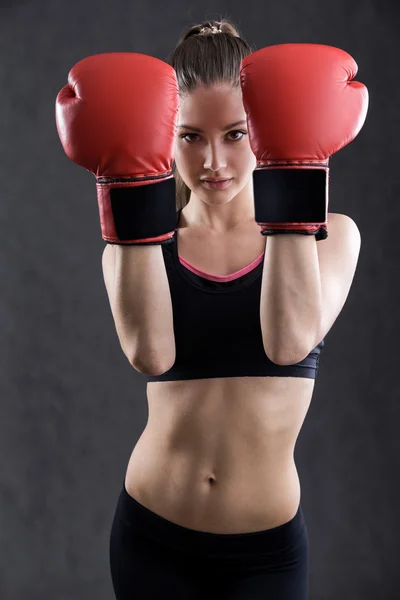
(229, 493)
(221, 451)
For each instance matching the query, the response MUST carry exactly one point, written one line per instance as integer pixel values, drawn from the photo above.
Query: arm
(291, 297)
(138, 290)
(302, 294)
(117, 117)
(300, 112)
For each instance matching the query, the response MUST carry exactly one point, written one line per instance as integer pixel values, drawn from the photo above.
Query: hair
(206, 54)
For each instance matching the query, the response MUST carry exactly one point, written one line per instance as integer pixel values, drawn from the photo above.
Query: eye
(243, 133)
(237, 139)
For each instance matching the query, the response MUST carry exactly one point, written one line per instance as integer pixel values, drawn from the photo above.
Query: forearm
(291, 299)
(142, 305)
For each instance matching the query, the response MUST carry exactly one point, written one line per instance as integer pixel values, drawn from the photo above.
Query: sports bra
(217, 325)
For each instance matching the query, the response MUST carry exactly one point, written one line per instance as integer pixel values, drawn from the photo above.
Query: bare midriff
(217, 455)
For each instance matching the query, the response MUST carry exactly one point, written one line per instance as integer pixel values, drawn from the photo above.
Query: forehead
(217, 103)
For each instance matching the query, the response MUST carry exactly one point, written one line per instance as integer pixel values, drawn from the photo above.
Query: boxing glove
(117, 117)
(302, 106)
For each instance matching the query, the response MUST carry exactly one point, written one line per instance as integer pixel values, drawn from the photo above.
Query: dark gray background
(72, 407)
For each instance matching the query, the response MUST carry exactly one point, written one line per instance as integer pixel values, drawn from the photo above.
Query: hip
(211, 496)
(154, 557)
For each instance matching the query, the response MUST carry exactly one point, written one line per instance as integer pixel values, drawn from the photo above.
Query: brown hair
(205, 57)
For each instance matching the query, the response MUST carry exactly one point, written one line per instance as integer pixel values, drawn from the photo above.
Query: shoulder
(342, 221)
(343, 241)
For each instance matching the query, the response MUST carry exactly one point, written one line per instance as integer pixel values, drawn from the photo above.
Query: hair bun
(210, 28)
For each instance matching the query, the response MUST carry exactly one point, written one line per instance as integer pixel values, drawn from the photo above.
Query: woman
(210, 503)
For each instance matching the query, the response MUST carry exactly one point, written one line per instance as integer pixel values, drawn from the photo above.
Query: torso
(217, 455)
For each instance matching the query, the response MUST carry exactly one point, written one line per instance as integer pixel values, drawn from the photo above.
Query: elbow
(285, 358)
(152, 367)
(286, 361)
(281, 361)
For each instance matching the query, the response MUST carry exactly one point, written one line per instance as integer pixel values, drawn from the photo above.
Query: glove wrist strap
(291, 200)
(137, 213)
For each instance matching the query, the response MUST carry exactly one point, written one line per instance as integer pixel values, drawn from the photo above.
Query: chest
(220, 254)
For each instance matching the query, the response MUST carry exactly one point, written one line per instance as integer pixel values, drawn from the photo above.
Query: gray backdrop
(72, 407)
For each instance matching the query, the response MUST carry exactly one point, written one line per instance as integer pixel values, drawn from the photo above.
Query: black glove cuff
(145, 211)
(290, 195)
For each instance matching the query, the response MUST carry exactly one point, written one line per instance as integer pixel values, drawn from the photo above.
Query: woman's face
(214, 150)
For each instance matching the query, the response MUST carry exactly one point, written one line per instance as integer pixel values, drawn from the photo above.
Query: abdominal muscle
(217, 455)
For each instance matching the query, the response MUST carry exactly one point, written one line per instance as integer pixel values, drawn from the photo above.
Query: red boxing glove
(301, 107)
(117, 118)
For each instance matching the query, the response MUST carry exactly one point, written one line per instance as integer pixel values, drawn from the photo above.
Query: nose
(214, 159)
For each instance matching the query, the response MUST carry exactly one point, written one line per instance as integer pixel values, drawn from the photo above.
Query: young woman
(222, 305)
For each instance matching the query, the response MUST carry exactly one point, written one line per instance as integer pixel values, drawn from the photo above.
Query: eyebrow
(201, 131)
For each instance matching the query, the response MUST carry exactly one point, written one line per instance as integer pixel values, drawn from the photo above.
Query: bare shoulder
(339, 218)
(343, 241)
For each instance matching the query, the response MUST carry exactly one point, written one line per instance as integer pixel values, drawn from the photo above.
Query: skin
(217, 454)
(215, 153)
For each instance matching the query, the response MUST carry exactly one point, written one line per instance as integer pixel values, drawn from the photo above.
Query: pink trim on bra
(222, 278)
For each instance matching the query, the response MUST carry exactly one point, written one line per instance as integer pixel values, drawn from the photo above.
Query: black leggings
(152, 558)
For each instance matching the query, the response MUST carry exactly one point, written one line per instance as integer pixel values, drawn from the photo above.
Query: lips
(216, 184)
